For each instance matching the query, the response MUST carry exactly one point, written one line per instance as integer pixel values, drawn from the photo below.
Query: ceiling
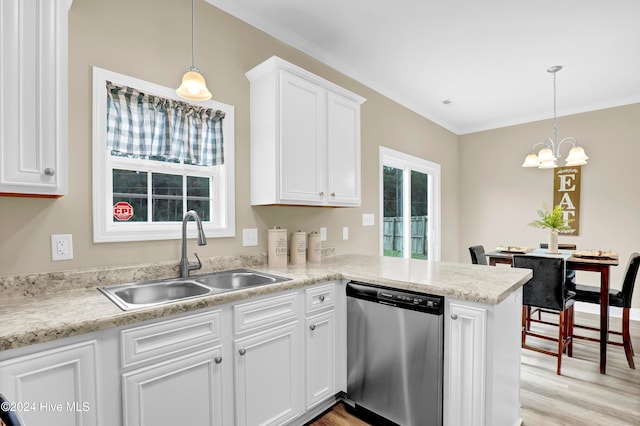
(489, 57)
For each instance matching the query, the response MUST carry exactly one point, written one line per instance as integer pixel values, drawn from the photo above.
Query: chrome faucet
(185, 266)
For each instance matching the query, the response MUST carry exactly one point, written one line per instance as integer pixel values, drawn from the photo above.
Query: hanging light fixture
(193, 86)
(548, 156)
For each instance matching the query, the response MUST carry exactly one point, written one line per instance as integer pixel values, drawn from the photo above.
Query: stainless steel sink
(152, 293)
(237, 279)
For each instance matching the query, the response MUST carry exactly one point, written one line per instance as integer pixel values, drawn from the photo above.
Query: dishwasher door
(395, 362)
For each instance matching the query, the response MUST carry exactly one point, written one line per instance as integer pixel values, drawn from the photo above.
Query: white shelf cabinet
(33, 99)
(305, 138)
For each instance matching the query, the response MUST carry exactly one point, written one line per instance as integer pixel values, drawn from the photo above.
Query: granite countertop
(42, 307)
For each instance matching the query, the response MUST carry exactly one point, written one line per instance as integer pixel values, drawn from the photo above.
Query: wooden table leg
(604, 317)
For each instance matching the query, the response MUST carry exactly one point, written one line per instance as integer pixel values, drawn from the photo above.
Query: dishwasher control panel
(400, 298)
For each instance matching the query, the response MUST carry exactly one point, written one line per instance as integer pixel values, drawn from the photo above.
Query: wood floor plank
(581, 396)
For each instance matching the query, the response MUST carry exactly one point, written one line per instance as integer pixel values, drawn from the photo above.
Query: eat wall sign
(566, 193)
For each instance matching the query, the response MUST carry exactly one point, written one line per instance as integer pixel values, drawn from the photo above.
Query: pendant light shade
(193, 86)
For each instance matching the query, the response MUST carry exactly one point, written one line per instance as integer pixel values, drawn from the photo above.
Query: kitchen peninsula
(44, 313)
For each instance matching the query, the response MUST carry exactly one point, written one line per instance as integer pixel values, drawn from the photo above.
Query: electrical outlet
(345, 232)
(61, 247)
(249, 237)
(323, 233)
(368, 219)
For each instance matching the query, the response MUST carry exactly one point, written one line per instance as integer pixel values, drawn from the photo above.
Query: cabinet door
(183, 391)
(269, 376)
(55, 387)
(302, 141)
(467, 366)
(33, 99)
(343, 150)
(320, 356)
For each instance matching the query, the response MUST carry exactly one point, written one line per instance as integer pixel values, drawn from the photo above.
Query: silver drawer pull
(217, 359)
(454, 317)
(242, 351)
(49, 171)
(321, 298)
(321, 194)
(333, 194)
(312, 327)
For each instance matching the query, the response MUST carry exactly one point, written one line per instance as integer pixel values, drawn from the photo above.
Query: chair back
(547, 287)
(630, 279)
(560, 246)
(477, 255)
(8, 417)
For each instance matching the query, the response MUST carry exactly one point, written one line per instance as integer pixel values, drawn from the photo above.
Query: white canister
(298, 253)
(314, 253)
(277, 253)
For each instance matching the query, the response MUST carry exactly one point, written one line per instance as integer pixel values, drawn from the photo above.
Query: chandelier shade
(547, 157)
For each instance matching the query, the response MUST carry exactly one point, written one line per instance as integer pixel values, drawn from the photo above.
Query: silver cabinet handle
(242, 351)
(217, 359)
(321, 194)
(321, 298)
(333, 194)
(312, 327)
(49, 171)
(454, 317)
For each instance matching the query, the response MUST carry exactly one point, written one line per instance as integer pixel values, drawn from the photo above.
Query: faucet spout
(185, 265)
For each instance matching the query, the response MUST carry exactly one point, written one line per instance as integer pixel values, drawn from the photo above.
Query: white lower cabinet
(182, 391)
(268, 372)
(55, 387)
(482, 362)
(320, 357)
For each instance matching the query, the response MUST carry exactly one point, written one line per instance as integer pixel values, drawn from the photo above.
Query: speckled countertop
(37, 308)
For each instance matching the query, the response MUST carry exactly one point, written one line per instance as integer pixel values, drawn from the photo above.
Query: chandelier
(549, 154)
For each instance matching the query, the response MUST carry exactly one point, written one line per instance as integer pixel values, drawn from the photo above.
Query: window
(409, 206)
(142, 193)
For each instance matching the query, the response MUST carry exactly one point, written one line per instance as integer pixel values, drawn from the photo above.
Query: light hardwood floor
(581, 396)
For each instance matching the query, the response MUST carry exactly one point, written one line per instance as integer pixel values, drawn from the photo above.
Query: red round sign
(122, 210)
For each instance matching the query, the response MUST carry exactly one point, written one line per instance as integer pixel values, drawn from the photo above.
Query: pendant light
(548, 156)
(193, 86)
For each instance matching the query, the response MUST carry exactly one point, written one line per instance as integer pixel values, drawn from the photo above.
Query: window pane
(167, 197)
(131, 187)
(392, 208)
(198, 196)
(419, 215)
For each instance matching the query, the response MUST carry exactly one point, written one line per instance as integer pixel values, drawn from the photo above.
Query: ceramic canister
(298, 253)
(314, 253)
(277, 251)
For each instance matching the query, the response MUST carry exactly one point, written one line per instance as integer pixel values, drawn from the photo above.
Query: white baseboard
(592, 308)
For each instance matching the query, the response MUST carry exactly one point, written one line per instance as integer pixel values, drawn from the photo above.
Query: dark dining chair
(618, 298)
(547, 290)
(570, 276)
(7, 416)
(477, 255)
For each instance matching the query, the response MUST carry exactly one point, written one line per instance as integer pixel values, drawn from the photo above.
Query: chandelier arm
(568, 139)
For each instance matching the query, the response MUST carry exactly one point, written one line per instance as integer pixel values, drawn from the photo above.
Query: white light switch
(249, 237)
(368, 219)
(61, 247)
(323, 233)
(345, 232)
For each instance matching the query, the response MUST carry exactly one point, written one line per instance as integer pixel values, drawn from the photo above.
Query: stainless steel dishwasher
(395, 346)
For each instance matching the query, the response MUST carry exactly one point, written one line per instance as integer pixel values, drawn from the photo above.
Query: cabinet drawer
(261, 313)
(319, 298)
(168, 337)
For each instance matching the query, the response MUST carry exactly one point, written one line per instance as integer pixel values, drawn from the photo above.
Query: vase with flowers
(554, 221)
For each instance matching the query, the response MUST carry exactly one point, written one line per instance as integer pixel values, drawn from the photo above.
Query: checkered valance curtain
(140, 124)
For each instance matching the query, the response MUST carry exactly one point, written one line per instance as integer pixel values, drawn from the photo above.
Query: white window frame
(223, 188)
(406, 163)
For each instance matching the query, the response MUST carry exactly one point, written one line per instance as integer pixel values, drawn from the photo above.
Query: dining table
(594, 263)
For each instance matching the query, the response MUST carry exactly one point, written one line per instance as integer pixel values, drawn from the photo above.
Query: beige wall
(150, 40)
(498, 198)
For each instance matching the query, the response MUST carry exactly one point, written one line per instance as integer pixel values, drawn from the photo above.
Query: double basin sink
(153, 293)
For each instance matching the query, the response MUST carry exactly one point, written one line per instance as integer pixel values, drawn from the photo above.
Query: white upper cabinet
(33, 97)
(305, 138)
